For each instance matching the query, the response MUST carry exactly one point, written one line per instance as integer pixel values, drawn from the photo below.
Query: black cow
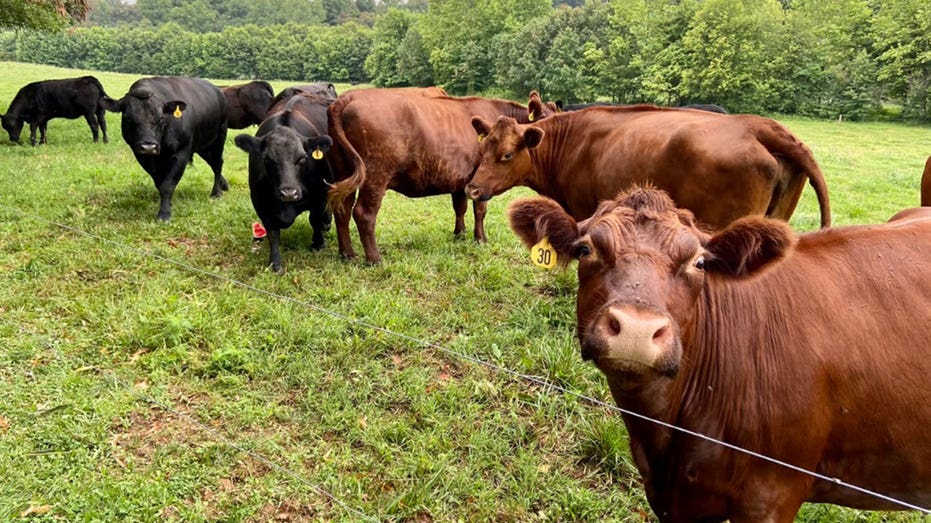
(248, 103)
(39, 102)
(168, 119)
(322, 89)
(711, 108)
(288, 173)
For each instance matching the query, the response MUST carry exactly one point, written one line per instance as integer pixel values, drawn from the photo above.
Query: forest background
(838, 59)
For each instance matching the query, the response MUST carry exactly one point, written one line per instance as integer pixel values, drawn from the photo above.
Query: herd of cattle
(700, 305)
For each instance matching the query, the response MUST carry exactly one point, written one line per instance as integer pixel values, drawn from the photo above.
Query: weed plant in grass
(396, 429)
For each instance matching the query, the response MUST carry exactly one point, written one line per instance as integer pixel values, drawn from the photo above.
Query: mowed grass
(103, 329)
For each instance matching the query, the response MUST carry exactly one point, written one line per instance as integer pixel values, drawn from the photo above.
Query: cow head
(286, 155)
(537, 110)
(13, 126)
(642, 265)
(146, 118)
(505, 156)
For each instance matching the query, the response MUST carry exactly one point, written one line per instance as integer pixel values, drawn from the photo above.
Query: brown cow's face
(505, 156)
(642, 266)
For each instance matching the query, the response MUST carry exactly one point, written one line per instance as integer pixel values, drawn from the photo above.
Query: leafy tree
(414, 60)
(41, 14)
(903, 38)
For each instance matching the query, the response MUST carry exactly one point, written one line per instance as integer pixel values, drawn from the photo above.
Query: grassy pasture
(90, 332)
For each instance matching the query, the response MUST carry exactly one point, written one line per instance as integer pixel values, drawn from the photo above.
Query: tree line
(838, 59)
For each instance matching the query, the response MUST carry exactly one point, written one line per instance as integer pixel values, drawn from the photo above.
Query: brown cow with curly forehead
(814, 350)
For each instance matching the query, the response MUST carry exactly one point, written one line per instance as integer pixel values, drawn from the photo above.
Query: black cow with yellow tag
(288, 168)
(168, 119)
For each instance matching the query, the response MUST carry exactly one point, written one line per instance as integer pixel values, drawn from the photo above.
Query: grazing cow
(415, 142)
(39, 102)
(721, 167)
(247, 104)
(815, 351)
(288, 173)
(168, 119)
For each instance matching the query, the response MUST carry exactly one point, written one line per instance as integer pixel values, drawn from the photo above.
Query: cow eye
(582, 250)
(700, 263)
(507, 157)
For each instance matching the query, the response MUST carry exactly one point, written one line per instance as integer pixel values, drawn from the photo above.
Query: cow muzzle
(625, 337)
(475, 193)
(148, 148)
(289, 194)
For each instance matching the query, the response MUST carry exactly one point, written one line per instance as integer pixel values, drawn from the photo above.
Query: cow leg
(102, 121)
(274, 254)
(342, 215)
(43, 125)
(214, 159)
(460, 205)
(479, 209)
(319, 222)
(92, 123)
(364, 214)
(166, 186)
(32, 133)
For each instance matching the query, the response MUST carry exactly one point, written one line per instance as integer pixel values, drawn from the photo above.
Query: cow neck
(551, 172)
(547, 173)
(726, 374)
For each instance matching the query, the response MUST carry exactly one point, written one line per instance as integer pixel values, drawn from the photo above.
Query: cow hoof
(164, 217)
(347, 256)
(316, 246)
(276, 269)
(216, 194)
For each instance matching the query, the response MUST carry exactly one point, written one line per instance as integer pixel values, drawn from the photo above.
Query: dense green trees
(839, 59)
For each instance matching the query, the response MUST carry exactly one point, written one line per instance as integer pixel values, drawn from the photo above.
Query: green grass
(395, 429)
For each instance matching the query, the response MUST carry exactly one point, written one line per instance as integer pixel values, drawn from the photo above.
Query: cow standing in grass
(417, 142)
(38, 102)
(814, 350)
(166, 120)
(288, 170)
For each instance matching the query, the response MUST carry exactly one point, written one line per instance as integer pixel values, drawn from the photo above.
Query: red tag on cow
(258, 232)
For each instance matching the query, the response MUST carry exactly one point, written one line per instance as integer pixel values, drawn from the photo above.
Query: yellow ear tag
(317, 154)
(177, 113)
(542, 254)
(480, 138)
(530, 116)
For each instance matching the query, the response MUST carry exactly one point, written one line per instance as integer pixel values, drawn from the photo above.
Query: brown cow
(247, 104)
(410, 141)
(719, 166)
(813, 350)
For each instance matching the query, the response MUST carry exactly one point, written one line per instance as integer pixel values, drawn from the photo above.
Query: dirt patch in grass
(142, 434)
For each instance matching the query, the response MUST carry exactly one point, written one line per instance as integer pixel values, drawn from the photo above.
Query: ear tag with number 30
(317, 154)
(530, 116)
(542, 254)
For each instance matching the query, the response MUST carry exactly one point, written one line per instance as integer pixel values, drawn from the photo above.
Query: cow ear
(174, 107)
(481, 126)
(535, 107)
(248, 143)
(532, 219)
(323, 143)
(532, 137)
(748, 246)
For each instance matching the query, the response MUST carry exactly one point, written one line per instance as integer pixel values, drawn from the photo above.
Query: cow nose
(290, 194)
(635, 335)
(473, 192)
(148, 148)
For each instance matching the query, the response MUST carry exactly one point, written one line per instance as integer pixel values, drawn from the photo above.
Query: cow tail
(350, 158)
(926, 185)
(783, 143)
(108, 103)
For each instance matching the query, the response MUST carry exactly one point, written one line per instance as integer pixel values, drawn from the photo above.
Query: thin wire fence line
(526, 377)
(230, 443)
